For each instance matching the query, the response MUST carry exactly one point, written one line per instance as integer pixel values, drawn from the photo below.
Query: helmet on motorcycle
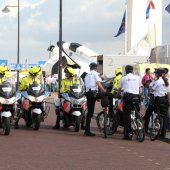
(3, 68)
(93, 66)
(118, 71)
(128, 69)
(70, 71)
(34, 70)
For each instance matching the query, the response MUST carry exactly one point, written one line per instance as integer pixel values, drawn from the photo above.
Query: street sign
(3, 62)
(41, 63)
(18, 67)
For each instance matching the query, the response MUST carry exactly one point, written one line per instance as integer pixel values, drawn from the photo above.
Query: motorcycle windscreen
(36, 89)
(77, 90)
(7, 90)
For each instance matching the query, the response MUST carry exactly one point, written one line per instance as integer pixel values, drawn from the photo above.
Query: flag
(150, 37)
(168, 8)
(122, 26)
(150, 6)
(146, 43)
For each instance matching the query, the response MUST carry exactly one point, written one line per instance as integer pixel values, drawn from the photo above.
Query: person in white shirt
(166, 75)
(53, 83)
(131, 84)
(160, 97)
(48, 83)
(92, 84)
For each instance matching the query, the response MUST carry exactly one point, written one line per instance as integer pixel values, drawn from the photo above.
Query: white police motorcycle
(8, 103)
(33, 108)
(73, 105)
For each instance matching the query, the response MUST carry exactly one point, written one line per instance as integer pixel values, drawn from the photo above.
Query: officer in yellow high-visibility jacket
(116, 81)
(69, 80)
(65, 87)
(28, 80)
(25, 83)
(3, 69)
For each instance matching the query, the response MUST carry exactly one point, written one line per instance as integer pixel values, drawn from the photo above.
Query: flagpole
(156, 48)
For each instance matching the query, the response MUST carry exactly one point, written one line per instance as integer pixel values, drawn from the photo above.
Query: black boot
(83, 123)
(57, 125)
(16, 125)
(87, 128)
(89, 133)
(127, 135)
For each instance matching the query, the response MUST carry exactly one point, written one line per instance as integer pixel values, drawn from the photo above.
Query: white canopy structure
(75, 55)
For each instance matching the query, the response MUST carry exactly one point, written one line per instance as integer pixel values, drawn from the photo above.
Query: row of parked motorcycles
(31, 106)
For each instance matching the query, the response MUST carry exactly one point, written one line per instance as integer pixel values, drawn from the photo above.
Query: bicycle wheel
(111, 124)
(155, 129)
(140, 131)
(105, 130)
(100, 121)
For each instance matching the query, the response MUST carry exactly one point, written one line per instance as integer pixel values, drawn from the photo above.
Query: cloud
(32, 19)
(24, 4)
(92, 23)
(32, 5)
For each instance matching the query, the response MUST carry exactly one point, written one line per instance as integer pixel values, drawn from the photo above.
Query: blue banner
(41, 63)
(3, 62)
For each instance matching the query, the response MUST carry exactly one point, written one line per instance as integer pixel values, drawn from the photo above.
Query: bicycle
(137, 123)
(156, 122)
(105, 122)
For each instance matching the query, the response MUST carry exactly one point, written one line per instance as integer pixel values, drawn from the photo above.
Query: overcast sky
(92, 23)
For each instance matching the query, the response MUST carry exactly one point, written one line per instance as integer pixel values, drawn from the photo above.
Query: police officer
(3, 69)
(65, 86)
(28, 80)
(131, 84)
(116, 81)
(166, 75)
(160, 97)
(25, 83)
(92, 84)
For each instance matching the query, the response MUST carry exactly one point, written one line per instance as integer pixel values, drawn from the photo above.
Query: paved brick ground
(48, 149)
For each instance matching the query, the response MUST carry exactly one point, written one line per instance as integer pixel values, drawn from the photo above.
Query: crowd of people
(156, 85)
(153, 88)
(51, 83)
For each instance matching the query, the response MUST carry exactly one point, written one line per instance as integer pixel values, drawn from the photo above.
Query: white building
(143, 34)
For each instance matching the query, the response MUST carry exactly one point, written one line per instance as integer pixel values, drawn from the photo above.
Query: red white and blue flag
(150, 6)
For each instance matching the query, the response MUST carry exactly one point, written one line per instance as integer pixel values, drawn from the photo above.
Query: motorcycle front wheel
(6, 125)
(77, 123)
(36, 120)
